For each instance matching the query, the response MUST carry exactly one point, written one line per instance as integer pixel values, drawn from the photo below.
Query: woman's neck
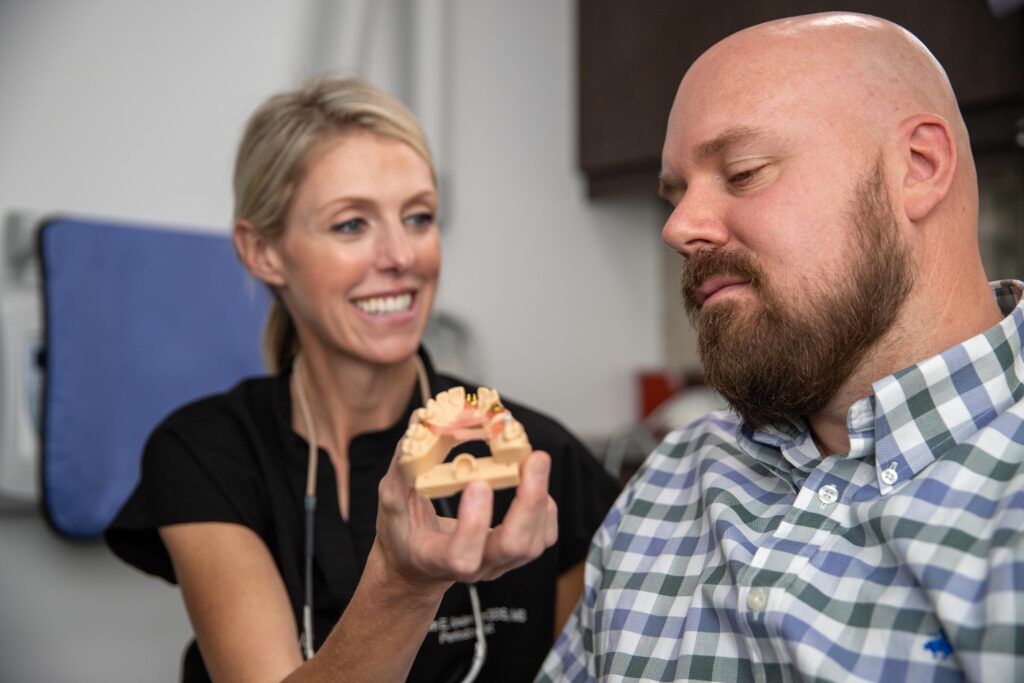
(348, 396)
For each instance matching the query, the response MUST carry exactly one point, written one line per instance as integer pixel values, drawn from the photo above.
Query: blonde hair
(272, 162)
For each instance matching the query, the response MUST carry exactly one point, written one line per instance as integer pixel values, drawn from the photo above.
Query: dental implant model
(452, 418)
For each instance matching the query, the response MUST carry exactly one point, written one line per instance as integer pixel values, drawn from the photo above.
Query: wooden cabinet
(632, 54)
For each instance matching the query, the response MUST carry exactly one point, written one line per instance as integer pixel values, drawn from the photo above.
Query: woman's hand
(415, 558)
(421, 549)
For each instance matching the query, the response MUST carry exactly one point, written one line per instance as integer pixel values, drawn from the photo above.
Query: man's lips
(713, 285)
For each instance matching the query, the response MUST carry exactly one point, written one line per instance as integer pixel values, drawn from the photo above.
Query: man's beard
(777, 363)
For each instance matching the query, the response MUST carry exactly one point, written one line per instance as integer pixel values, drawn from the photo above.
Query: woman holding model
(336, 212)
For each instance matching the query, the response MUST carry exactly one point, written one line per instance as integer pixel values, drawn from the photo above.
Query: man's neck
(930, 322)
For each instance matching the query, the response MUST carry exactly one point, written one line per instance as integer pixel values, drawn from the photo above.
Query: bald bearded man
(858, 516)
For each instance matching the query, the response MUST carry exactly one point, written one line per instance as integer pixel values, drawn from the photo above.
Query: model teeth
(385, 304)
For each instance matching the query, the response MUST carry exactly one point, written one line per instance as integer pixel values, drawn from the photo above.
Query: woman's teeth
(385, 304)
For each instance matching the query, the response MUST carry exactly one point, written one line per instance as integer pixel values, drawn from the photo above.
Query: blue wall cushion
(138, 320)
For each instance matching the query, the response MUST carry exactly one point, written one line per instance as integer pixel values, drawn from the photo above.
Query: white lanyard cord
(309, 504)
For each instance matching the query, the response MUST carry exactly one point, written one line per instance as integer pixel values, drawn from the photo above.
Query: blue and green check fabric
(742, 555)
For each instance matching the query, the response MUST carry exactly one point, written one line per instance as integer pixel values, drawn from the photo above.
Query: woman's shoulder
(237, 428)
(203, 463)
(252, 400)
(222, 453)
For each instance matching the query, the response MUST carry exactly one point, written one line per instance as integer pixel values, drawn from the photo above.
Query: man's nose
(697, 222)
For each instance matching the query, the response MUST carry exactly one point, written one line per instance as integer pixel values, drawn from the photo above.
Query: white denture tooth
(451, 402)
(513, 430)
(486, 397)
(414, 432)
(432, 412)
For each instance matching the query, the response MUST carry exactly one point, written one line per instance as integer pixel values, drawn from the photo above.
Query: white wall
(132, 109)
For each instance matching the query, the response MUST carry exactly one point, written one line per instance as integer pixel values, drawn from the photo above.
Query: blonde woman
(335, 211)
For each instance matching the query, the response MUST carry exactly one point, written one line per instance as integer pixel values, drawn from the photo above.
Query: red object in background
(655, 387)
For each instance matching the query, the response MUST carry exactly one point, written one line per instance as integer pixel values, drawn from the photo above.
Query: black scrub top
(234, 457)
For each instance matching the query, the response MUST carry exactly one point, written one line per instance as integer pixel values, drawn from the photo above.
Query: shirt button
(889, 476)
(756, 599)
(828, 494)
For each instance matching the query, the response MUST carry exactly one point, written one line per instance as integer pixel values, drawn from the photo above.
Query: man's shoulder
(668, 472)
(1002, 439)
(718, 429)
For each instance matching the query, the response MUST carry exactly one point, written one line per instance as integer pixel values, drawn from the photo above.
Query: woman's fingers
(392, 491)
(551, 529)
(466, 548)
(454, 551)
(472, 528)
(531, 524)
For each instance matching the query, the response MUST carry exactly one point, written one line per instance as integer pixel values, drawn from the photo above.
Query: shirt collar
(915, 414)
(927, 407)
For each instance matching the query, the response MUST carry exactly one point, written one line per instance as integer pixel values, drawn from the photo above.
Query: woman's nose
(697, 222)
(395, 249)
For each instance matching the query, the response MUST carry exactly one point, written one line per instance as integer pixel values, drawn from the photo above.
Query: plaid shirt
(741, 555)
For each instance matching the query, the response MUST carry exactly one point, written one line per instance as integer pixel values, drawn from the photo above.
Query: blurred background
(546, 118)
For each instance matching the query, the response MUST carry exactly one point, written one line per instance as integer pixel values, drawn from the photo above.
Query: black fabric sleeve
(182, 481)
(584, 492)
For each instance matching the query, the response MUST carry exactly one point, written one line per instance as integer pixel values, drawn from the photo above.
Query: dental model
(452, 418)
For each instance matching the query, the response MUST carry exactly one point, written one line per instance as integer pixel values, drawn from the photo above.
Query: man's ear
(258, 254)
(930, 158)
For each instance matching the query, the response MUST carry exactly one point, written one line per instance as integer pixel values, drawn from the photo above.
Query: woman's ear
(258, 254)
(929, 155)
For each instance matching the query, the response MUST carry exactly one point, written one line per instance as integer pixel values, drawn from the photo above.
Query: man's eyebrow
(670, 184)
(728, 138)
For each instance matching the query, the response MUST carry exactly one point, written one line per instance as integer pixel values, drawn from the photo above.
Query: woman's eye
(423, 219)
(350, 227)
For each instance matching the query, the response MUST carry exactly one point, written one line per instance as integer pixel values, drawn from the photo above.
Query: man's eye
(744, 178)
(350, 227)
(422, 219)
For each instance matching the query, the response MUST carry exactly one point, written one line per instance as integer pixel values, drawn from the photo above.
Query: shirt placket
(817, 510)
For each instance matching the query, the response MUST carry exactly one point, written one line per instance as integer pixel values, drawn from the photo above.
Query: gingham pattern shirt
(740, 555)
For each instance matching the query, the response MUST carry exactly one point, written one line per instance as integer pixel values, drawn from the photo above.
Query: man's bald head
(853, 76)
(879, 69)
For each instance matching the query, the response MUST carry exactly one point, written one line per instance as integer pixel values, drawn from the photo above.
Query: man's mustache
(715, 262)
